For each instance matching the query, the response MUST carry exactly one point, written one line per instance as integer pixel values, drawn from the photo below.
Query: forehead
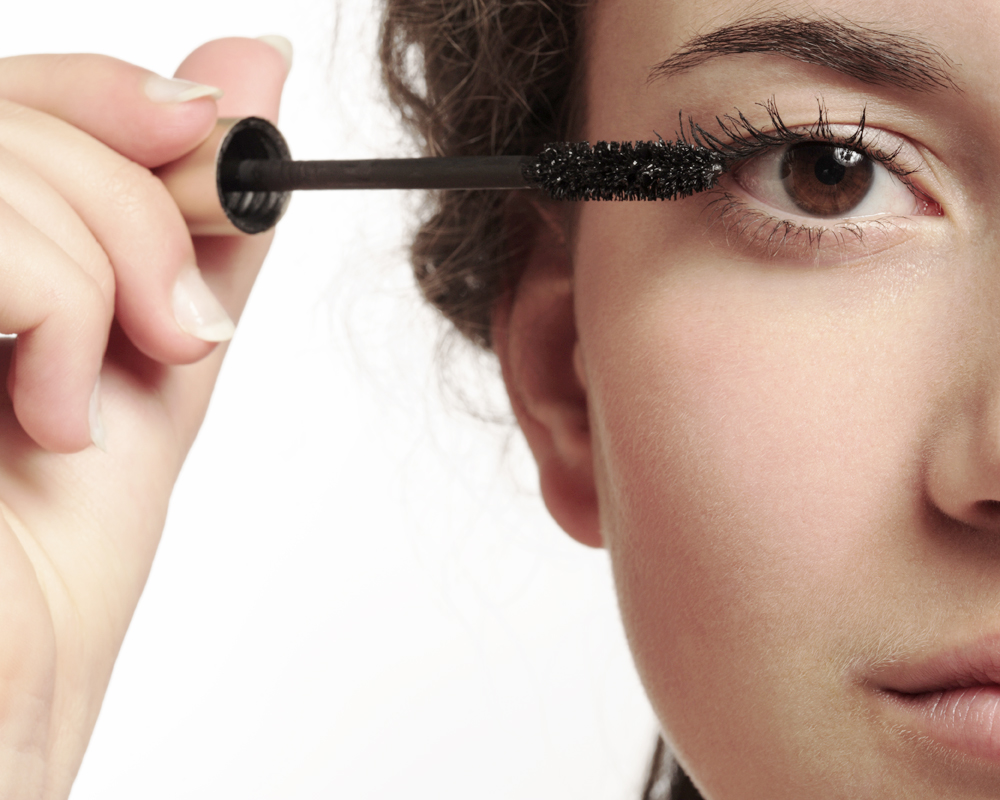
(628, 38)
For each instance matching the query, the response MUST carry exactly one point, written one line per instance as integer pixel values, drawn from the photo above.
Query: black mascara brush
(250, 166)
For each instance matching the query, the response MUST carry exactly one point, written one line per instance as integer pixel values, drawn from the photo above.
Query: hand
(91, 251)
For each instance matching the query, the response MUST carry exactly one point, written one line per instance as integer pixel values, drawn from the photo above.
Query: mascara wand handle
(470, 172)
(240, 179)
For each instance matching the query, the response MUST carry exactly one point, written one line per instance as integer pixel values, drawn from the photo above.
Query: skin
(792, 457)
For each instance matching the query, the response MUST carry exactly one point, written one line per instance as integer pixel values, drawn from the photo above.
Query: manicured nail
(281, 44)
(198, 311)
(96, 419)
(174, 90)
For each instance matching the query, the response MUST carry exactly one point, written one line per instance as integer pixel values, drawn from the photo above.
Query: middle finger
(132, 217)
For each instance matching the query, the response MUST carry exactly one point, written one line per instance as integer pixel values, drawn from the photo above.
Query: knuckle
(11, 112)
(59, 64)
(143, 209)
(55, 69)
(131, 190)
(98, 266)
(83, 302)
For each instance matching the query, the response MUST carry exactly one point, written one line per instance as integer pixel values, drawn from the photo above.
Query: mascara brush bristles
(625, 170)
(565, 170)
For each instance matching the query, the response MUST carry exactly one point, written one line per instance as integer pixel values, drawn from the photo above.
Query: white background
(358, 593)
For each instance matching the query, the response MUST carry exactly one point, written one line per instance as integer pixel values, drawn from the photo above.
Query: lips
(973, 665)
(952, 698)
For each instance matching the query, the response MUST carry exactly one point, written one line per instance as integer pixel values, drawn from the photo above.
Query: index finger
(132, 110)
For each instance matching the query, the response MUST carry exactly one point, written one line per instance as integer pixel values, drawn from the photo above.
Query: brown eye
(826, 180)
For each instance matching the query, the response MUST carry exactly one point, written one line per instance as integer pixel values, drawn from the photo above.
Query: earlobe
(535, 337)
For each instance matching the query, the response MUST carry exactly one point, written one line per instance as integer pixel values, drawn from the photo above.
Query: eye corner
(927, 206)
(930, 208)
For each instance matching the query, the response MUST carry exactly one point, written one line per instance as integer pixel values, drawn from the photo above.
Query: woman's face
(794, 394)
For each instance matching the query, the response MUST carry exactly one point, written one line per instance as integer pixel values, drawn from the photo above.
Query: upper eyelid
(898, 159)
(740, 139)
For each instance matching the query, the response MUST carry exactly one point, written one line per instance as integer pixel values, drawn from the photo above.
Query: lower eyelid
(763, 236)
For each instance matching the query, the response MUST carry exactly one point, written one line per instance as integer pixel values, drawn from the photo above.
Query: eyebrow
(868, 54)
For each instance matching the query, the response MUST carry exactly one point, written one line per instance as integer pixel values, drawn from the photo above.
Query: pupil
(829, 170)
(826, 180)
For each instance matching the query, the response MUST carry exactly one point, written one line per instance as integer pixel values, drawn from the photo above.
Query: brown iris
(825, 180)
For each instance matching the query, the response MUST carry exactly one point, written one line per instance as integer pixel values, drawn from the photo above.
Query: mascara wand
(253, 174)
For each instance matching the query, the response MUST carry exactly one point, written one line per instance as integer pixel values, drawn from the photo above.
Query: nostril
(989, 509)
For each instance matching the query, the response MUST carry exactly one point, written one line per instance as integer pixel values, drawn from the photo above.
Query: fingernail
(281, 44)
(96, 419)
(174, 90)
(198, 311)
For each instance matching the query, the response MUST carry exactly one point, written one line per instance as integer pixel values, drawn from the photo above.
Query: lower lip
(966, 719)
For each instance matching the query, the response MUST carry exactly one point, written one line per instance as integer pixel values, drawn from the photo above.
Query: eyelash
(740, 140)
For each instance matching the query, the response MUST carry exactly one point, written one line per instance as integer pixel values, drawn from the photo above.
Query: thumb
(252, 73)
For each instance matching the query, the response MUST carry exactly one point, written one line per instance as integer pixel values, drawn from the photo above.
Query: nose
(963, 465)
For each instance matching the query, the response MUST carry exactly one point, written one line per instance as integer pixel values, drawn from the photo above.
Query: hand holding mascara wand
(241, 178)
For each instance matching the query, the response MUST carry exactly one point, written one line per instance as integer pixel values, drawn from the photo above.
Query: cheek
(743, 466)
(757, 459)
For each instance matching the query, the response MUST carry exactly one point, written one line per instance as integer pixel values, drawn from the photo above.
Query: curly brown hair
(478, 77)
(488, 77)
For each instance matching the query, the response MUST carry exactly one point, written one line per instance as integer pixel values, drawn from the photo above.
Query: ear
(534, 335)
